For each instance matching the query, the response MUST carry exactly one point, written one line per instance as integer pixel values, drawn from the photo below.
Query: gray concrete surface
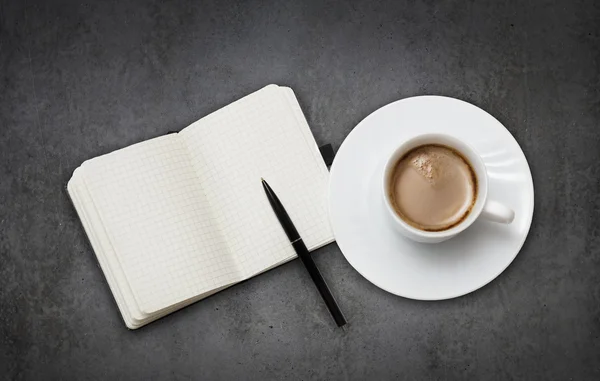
(82, 78)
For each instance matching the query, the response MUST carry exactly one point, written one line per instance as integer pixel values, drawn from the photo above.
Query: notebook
(177, 218)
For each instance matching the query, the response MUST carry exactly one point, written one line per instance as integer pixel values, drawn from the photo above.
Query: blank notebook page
(262, 135)
(158, 221)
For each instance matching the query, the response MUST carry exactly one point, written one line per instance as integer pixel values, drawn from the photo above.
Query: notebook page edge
(309, 137)
(185, 303)
(198, 123)
(293, 102)
(98, 250)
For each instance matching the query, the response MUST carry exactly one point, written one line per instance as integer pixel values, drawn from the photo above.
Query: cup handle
(496, 212)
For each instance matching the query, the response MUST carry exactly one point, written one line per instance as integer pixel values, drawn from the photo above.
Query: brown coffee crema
(433, 187)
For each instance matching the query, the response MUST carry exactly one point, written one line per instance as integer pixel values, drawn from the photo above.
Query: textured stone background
(82, 78)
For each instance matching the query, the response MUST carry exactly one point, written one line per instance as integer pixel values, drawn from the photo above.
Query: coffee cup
(481, 206)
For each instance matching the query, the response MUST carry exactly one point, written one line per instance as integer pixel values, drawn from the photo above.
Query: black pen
(304, 255)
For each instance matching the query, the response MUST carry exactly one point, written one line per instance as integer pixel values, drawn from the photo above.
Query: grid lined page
(261, 135)
(158, 221)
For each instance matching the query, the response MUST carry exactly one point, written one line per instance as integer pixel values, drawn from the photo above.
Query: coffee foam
(433, 187)
(429, 164)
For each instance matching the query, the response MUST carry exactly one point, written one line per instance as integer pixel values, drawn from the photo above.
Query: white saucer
(427, 271)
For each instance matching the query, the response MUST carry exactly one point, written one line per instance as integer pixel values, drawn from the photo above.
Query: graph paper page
(261, 135)
(157, 218)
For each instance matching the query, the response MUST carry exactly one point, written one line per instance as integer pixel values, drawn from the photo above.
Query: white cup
(484, 208)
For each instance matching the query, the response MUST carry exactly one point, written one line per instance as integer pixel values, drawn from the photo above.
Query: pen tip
(261, 179)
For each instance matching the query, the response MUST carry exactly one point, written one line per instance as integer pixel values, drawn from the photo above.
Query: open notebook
(177, 218)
